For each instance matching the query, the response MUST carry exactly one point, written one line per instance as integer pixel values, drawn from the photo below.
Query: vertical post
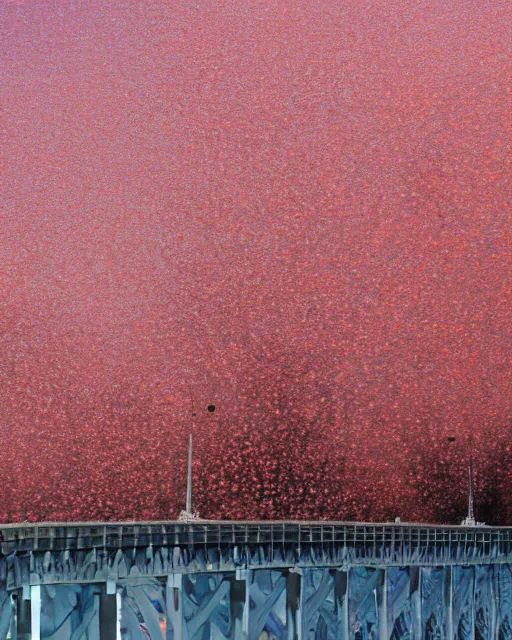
(494, 601)
(240, 604)
(13, 627)
(110, 611)
(112, 590)
(35, 612)
(119, 614)
(174, 599)
(294, 591)
(96, 622)
(23, 626)
(415, 591)
(449, 603)
(473, 605)
(382, 603)
(341, 594)
(471, 508)
(188, 506)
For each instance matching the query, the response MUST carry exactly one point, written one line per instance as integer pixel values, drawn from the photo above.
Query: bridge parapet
(490, 542)
(243, 578)
(46, 553)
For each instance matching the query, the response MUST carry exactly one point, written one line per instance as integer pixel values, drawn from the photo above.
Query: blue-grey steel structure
(210, 580)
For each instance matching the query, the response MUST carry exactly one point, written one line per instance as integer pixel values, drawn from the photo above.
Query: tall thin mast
(189, 514)
(471, 505)
(188, 507)
(469, 520)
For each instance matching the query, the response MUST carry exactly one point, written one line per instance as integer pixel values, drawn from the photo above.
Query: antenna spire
(189, 515)
(471, 506)
(188, 507)
(469, 520)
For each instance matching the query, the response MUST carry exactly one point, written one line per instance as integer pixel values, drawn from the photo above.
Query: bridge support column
(13, 625)
(119, 614)
(293, 609)
(494, 600)
(35, 612)
(174, 600)
(382, 604)
(449, 602)
(109, 604)
(113, 607)
(341, 593)
(22, 607)
(240, 604)
(415, 595)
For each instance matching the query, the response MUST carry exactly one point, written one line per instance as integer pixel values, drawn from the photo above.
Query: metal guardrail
(488, 541)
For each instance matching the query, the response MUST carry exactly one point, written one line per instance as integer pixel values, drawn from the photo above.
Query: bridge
(250, 580)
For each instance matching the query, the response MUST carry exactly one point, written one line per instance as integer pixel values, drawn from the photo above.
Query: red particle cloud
(296, 211)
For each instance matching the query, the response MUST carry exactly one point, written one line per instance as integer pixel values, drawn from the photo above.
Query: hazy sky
(191, 187)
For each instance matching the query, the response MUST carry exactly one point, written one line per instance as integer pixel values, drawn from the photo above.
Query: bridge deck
(287, 578)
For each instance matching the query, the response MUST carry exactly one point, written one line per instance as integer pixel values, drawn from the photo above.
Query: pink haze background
(298, 211)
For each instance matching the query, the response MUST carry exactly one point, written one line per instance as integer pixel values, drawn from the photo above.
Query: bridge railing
(365, 538)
